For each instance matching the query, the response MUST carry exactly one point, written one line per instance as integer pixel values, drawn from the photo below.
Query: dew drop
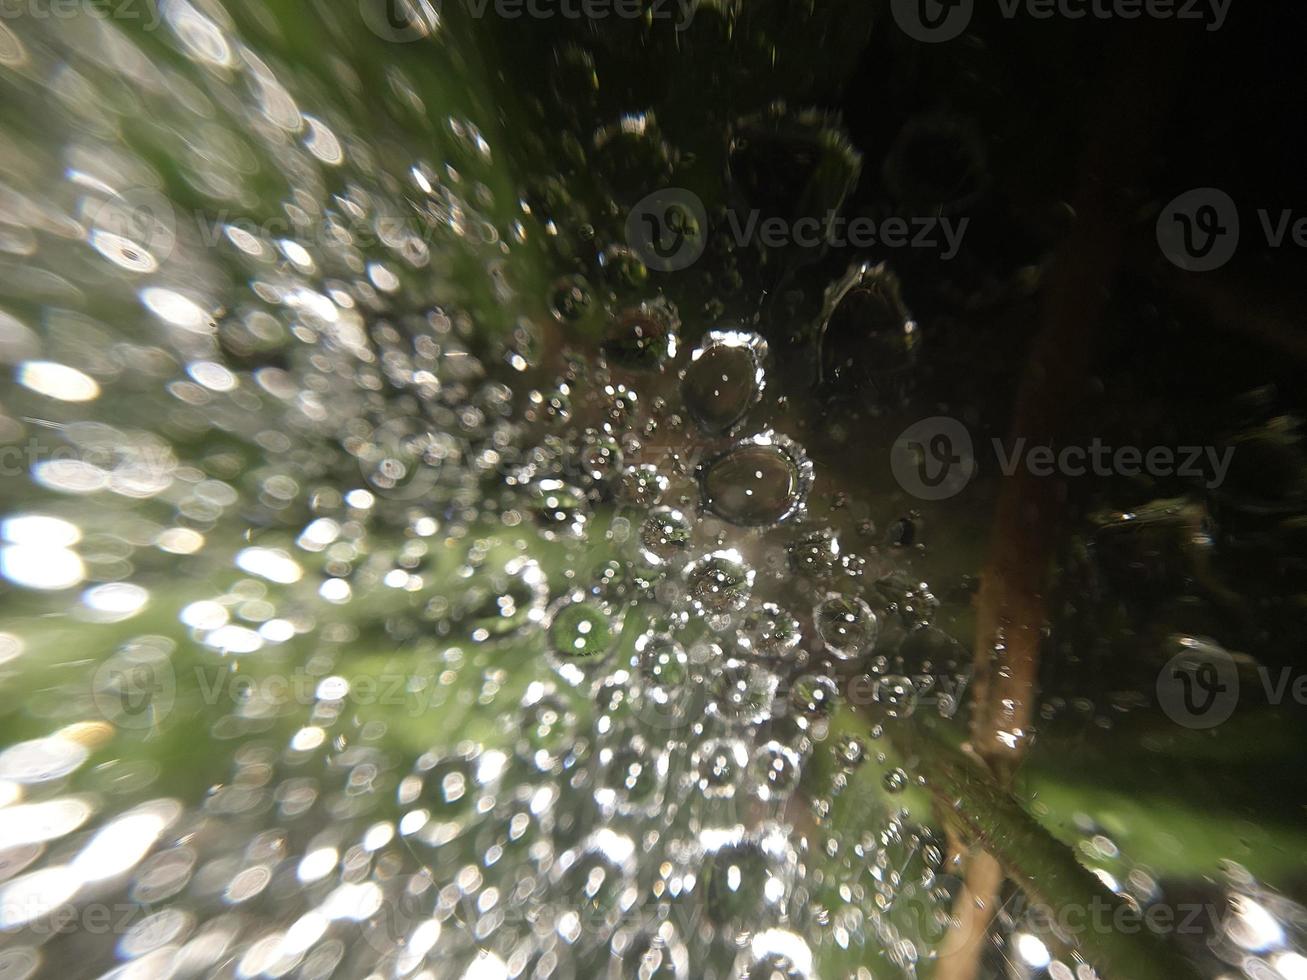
(664, 535)
(719, 583)
(769, 631)
(846, 625)
(643, 337)
(724, 379)
(760, 481)
(579, 630)
(897, 695)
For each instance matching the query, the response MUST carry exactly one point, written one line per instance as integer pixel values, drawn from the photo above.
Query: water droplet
(724, 379)
(579, 630)
(743, 692)
(631, 778)
(641, 485)
(600, 456)
(719, 583)
(718, 766)
(747, 880)
(596, 879)
(646, 954)
(560, 509)
(775, 954)
(846, 625)
(895, 781)
(622, 268)
(547, 724)
(760, 481)
(865, 328)
(497, 605)
(815, 553)
(643, 337)
(775, 770)
(851, 751)
(769, 631)
(813, 697)
(570, 298)
(664, 535)
(662, 663)
(897, 695)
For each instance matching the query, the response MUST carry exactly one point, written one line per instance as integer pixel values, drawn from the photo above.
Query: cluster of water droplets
(384, 606)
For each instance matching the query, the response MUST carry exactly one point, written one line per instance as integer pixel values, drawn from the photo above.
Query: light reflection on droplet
(176, 309)
(120, 845)
(37, 567)
(55, 380)
(32, 823)
(36, 894)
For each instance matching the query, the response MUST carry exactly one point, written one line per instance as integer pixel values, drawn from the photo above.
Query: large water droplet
(866, 329)
(724, 379)
(760, 481)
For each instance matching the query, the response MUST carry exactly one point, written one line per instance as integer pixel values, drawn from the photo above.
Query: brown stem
(1011, 604)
